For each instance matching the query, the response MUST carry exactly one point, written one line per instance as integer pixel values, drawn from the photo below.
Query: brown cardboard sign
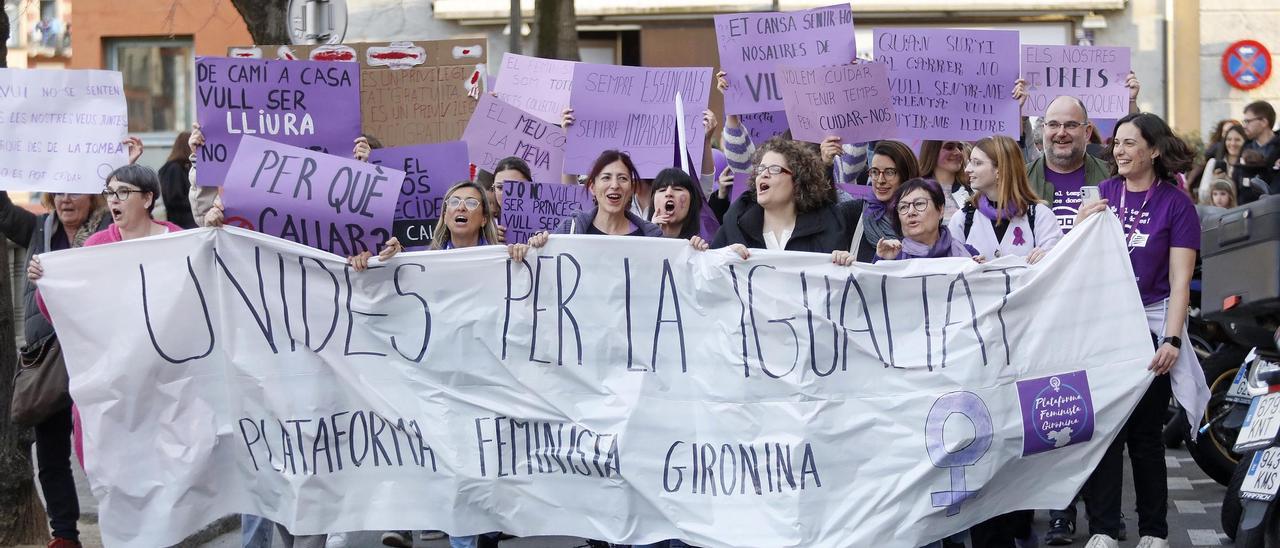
(410, 92)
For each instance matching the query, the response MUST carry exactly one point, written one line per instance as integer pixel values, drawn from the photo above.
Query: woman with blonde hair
(1004, 216)
(465, 219)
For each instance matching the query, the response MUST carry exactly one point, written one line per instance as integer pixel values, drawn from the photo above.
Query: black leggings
(1143, 434)
(53, 456)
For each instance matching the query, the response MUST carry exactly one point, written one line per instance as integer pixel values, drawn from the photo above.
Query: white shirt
(773, 242)
(1019, 238)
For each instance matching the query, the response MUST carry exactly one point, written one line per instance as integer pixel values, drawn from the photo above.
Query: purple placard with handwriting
(538, 86)
(498, 130)
(335, 204)
(848, 101)
(429, 171)
(308, 104)
(1094, 75)
(951, 84)
(752, 44)
(632, 109)
(762, 126)
(530, 208)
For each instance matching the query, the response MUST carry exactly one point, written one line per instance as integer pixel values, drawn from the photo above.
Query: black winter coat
(821, 231)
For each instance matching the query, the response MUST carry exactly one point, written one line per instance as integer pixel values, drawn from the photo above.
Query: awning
(471, 10)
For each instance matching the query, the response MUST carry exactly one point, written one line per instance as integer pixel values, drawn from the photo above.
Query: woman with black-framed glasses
(892, 163)
(790, 204)
(919, 204)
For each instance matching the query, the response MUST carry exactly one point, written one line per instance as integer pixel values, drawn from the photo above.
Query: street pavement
(1195, 503)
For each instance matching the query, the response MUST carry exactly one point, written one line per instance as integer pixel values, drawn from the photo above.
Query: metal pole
(516, 23)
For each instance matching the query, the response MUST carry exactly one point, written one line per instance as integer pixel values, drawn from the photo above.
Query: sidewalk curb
(221, 526)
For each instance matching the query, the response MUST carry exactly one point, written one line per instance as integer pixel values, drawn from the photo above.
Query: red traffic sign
(1246, 64)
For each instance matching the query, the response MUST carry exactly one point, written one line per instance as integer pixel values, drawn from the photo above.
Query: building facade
(39, 33)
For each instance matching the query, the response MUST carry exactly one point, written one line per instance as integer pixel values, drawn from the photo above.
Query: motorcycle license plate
(1239, 391)
(1263, 479)
(1261, 424)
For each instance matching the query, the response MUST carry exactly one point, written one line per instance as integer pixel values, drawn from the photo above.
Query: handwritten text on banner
(692, 394)
(849, 101)
(498, 130)
(1095, 75)
(536, 85)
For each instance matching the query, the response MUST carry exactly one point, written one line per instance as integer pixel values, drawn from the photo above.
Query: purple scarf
(875, 209)
(989, 209)
(946, 246)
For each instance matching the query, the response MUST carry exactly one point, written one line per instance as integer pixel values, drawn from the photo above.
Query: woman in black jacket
(174, 183)
(789, 205)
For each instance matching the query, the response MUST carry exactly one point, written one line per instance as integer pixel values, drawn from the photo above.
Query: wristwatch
(1175, 341)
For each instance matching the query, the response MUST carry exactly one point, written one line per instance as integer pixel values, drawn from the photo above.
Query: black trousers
(1002, 530)
(1143, 435)
(53, 457)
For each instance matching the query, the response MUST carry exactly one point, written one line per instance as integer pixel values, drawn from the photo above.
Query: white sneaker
(1152, 542)
(336, 540)
(1103, 541)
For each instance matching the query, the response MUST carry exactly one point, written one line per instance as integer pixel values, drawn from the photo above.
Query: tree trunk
(556, 30)
(268, 20)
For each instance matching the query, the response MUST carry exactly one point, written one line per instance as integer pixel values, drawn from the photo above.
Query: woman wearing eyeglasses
(510, 168)
(1004, 217)
(891, 163)
(789, 205)
(919, 204)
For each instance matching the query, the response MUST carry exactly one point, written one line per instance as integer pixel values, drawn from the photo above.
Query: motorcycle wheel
(1212, 449)
(1231, 507)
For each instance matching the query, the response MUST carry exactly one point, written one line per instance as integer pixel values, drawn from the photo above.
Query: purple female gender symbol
(971, 407)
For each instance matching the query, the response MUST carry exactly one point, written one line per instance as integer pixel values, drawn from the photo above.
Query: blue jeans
(255, 532)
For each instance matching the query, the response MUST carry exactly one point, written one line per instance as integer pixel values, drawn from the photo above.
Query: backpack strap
(969, 210)
(1031, 216)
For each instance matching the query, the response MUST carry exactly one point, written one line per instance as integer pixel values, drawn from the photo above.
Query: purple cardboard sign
(334, 204)
(538, 86)
(762, 126)
(1094, 75)
(752, 44)
(633, 109)
(849, 101)
(308, 104)
(498, 130)
(429, 172)
(951, 84)
(1057, 411)
(530, 208)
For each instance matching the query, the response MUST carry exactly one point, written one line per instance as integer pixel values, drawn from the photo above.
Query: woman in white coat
(1004, 216)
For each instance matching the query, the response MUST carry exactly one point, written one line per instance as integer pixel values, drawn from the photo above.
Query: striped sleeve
(737, 148)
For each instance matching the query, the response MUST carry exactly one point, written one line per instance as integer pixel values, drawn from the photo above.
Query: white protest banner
(61, 130)
(625, 389)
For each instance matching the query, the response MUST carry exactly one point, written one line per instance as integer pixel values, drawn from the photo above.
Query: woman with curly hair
(789, 205)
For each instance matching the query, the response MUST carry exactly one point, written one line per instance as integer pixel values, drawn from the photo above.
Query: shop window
(159, 81)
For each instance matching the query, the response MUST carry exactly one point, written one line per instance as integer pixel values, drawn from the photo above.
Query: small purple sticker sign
(334, 204)
(308, 104)
(1057, 411)
(762, 126)
(498, 130)
(530, 208)
(632, 109)
(538, 86)
(951, 84)
(1094, 75)
(752, 44)
(429, 172)
(848, 101)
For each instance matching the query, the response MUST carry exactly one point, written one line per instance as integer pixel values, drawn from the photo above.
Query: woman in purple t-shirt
(1163, 235)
